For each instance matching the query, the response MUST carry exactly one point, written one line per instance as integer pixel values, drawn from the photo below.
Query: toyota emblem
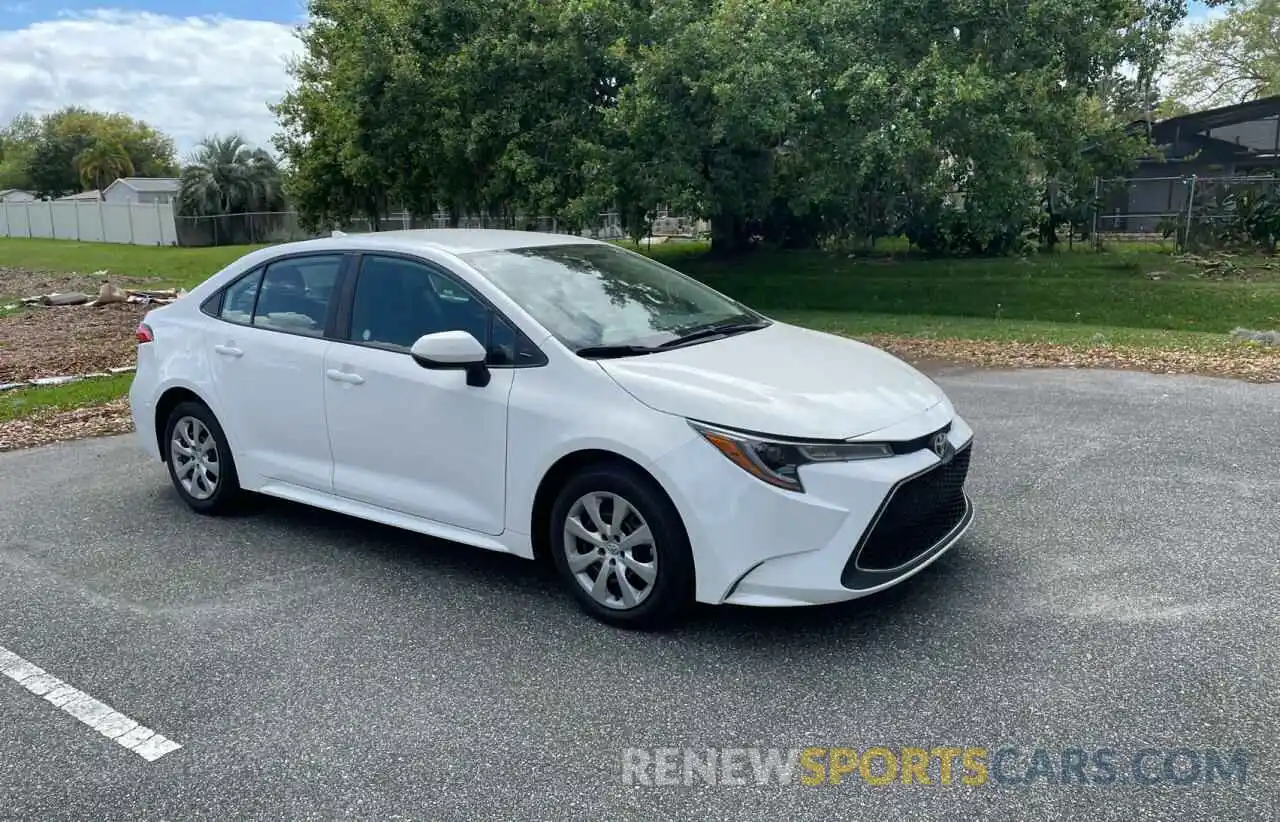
(940, 444)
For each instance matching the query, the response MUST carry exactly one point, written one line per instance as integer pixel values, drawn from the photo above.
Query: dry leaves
(1251, 363)
(44, 427)
(1223, 265)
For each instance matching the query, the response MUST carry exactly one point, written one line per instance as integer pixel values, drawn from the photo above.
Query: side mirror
(453, 351)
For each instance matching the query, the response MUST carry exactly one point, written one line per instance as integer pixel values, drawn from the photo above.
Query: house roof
(163, 185)
(1264, 108)
(84, 195)
(1248, 132)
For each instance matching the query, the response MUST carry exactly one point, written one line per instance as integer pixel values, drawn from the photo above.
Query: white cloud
(188, 77)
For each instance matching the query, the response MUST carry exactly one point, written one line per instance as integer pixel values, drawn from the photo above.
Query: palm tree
(225, 175)
(103, 161)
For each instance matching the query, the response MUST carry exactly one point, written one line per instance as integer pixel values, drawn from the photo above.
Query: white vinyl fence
(90, 222)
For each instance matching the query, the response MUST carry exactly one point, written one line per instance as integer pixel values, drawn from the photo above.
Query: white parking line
(112, 724)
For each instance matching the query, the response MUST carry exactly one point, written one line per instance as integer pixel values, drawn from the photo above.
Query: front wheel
(620, 548)
(200, 462)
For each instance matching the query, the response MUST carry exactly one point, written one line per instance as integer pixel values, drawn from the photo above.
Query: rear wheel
(200, 462)
(620, 548)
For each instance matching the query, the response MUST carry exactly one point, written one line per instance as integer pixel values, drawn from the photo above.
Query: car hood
(781, 380)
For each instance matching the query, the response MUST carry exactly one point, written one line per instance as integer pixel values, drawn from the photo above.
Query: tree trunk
(728, 235)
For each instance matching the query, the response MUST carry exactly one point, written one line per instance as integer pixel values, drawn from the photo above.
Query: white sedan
(559, 398)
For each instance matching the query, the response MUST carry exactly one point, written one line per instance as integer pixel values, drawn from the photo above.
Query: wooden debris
(110, 294)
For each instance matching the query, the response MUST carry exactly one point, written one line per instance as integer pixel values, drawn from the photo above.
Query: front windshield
(591, 295)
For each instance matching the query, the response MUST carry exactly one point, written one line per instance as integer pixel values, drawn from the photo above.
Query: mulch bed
(66, 341)
(19, 282)
(45, 427)
(42, 341)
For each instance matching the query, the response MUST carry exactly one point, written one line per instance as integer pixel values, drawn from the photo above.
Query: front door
(405, 438)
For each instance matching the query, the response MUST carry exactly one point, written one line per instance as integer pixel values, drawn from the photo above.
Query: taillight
(143, 334)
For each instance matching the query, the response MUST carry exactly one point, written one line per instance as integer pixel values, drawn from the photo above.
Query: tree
(328, 135)
(17, 141)
(226, 175)
(463, 105)
(777, 120)
(103, 162)
(1230, 59)
(63, 137)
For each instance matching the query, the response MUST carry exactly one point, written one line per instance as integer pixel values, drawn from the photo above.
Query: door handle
(344, 376)
(228, 351)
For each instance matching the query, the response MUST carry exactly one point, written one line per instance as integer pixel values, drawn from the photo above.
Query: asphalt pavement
(1116, 602)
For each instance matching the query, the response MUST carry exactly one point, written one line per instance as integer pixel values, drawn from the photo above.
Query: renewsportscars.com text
(942, 766)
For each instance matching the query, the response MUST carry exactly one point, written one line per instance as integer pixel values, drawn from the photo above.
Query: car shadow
(534, 586)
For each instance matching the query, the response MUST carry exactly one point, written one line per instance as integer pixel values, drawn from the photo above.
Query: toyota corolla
(561, 398)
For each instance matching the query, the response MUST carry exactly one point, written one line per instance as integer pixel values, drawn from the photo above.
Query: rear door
(268, 364)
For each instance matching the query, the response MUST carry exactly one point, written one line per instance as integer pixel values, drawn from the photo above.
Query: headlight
(778, 462)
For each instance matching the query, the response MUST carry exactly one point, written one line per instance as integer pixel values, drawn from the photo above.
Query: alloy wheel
(195, 458)
(610, 550)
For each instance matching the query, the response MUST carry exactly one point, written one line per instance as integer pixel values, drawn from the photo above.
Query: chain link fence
(279, 227)
(240, 229)
(1190, 211)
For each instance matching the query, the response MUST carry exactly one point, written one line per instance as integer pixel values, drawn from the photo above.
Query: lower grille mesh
(920, 514)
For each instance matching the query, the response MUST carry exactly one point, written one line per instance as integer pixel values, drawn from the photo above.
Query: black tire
(672, 594)
(226, 492)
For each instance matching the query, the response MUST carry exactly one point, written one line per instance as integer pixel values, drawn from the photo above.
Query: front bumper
(860, 527)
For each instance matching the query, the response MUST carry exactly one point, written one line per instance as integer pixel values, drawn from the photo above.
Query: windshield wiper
(722, 329)
(601, 352)
(710, 331)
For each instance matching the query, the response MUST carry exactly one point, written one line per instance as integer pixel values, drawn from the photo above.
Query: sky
(191, 68)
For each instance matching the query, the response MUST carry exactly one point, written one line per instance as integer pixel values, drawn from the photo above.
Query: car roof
(450, 240)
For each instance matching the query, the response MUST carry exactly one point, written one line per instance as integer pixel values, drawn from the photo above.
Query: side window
(320, 275)
(397, 301)
(239, 297)
(295, 294)
(448, 290)
(508, 347)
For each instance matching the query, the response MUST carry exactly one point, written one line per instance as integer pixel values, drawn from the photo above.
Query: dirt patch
(53, 342)
(57, 426)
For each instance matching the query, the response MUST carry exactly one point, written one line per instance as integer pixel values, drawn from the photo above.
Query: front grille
(917, 516)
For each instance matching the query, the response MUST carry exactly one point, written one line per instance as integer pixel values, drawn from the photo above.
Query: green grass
(23, 402)
(169, 266)
(1084, 288)
(1111, 289)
